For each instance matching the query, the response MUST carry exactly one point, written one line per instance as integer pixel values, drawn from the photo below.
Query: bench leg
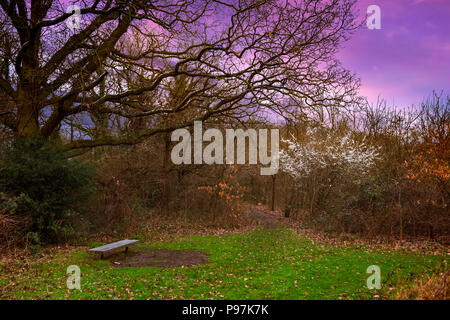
(101, 255)
(126, 249)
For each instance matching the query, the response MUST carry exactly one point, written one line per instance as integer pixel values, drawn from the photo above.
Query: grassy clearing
(265, 264)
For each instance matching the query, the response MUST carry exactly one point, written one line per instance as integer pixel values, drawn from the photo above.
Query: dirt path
(262, 215)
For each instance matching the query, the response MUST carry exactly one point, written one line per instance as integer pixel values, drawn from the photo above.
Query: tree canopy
(175, 60)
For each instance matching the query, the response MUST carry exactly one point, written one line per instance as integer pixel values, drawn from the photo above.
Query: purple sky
(409, 57)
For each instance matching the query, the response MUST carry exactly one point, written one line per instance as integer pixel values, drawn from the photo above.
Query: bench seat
(112, 246)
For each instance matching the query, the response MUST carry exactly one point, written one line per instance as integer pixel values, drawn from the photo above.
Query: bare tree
(239, 56)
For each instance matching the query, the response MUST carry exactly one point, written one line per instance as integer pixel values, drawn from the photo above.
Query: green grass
(264, 264)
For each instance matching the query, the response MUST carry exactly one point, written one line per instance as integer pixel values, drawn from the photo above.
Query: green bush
(46, 184)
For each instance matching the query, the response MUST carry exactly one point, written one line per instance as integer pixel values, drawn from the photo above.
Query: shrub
(327, 169)
(46, 185)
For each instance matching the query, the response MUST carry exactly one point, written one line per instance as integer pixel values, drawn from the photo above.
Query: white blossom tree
(327, 150)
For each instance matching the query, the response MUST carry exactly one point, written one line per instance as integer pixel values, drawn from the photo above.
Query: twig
(43, 296)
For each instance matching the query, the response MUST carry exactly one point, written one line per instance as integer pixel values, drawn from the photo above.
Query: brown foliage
(436, 287)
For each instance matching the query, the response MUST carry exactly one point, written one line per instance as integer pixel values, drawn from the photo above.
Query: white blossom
(299, 159)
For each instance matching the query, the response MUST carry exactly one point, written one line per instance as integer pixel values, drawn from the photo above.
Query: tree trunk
(27, 116)
(273, 193)
(28, 104)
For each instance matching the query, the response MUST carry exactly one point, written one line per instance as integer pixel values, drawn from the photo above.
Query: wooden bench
(113, 246)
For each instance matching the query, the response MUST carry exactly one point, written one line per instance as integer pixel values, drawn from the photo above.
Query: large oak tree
(127, 58)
